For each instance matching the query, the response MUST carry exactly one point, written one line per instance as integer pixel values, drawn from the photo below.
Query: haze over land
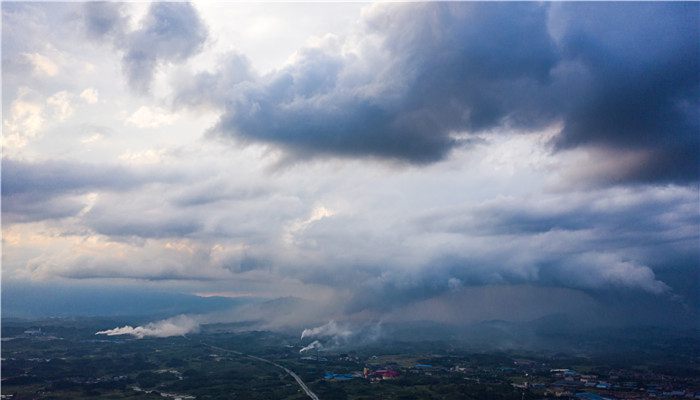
(343, 167)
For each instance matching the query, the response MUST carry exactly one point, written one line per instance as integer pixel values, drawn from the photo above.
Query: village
(65, 360)
(537, 379)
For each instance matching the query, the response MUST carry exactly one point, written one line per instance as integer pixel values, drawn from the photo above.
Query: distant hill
(40, 301)
(556, 332)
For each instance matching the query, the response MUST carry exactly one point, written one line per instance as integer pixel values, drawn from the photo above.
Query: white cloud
(90, 201)
(95, 137)
(42, 64)
(24, 123)
(299, 225)
(97, 256)
(61, 104)
(151, 117)
(90, 95)
(150, 156)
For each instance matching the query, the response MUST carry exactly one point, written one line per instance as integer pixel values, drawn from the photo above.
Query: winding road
(291, 373)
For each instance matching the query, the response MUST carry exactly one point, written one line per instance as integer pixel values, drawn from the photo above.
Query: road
(291, 373)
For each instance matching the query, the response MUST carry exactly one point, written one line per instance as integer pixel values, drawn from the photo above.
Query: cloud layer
(410, 164)
(50, 189)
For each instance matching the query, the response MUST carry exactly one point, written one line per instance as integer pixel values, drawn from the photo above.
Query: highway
(291, 373)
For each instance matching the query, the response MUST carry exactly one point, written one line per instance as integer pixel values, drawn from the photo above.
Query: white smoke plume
(331, 329)
(313, 345)
(338, 335)
(176, 326)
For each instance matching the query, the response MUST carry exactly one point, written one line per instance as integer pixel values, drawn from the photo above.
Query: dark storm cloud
(642, 83)
(169, 33)
(619, 77)
(405, 110)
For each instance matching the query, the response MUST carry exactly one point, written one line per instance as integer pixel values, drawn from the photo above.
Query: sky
(450, 162)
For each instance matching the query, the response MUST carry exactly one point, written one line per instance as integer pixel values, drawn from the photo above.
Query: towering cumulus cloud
(420, 79)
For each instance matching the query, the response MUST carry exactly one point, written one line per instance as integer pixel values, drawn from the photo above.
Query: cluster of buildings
(538, 378)
(570, 384)
(380, 374)
(371, 375)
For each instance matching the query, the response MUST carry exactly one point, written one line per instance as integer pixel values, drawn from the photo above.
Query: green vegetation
(64, 360)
